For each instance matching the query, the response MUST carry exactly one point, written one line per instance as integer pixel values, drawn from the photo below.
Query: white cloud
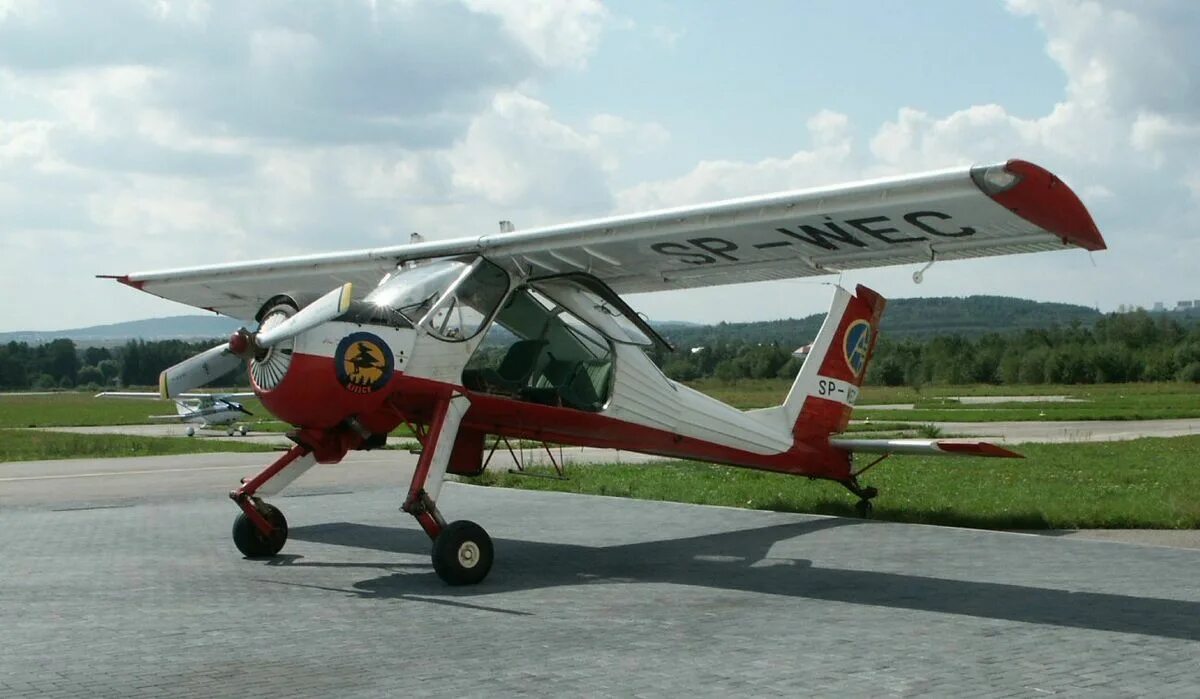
(137, 134)
(160, 134)
(558, 32)
(1125, 135)
(831, 157)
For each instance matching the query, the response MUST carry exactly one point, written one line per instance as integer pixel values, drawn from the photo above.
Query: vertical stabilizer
(826, 388)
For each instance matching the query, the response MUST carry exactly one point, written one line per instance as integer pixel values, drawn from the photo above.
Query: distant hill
(170, 328)
(916, 318)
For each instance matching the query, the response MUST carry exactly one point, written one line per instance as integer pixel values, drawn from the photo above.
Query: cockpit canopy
(452, 299)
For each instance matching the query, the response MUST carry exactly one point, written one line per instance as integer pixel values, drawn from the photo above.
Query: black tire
(462, 553)
(864, 508)
(251, 542)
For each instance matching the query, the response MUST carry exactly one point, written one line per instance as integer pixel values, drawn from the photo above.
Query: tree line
(1116, 348)
(60, 364)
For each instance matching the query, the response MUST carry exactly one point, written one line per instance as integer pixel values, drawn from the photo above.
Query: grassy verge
(1146, 483)
(934, 404)
(32, 445)
(1141, 401)
(81, 409)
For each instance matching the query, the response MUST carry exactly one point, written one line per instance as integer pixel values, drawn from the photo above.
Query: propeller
(215, 362)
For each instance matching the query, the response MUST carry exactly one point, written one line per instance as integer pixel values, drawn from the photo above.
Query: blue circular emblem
(857, 345)
(364, 362)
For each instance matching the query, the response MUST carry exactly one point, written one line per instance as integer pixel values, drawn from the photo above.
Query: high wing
(959, 213)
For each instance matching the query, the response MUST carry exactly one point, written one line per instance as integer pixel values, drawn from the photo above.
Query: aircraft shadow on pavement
(739, 561)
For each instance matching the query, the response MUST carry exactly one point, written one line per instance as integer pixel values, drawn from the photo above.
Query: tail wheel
(462, 553)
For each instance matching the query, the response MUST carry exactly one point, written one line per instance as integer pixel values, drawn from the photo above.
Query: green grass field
(80, 409)
(1146, 483)
(1149, 401)
(1102, 402)
(70, 409)
(30, 445)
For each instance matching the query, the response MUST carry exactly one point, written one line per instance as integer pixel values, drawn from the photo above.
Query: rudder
(826, 388)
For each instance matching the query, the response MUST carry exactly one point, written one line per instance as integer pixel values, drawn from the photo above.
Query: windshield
(412, 292)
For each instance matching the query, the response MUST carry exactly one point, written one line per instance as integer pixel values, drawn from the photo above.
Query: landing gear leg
(260, 531)
(462, 550)
(863, 507)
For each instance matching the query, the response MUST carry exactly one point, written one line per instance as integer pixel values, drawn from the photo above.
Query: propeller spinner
(215, 362)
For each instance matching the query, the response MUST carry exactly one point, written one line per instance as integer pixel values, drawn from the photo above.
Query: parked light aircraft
(203, 409)
(346, 369)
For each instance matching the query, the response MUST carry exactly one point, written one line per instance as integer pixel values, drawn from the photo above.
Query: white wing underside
(943, 215)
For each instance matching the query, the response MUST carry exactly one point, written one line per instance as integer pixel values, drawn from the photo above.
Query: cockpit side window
(465, 308)
(538, 351)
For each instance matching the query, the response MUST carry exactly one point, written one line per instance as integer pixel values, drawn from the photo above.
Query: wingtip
(1041, 198)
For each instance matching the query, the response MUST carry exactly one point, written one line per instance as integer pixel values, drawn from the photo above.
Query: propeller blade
(197, 370)
(324, 309)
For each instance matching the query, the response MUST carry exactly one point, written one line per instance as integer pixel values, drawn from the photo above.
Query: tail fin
(826, 388)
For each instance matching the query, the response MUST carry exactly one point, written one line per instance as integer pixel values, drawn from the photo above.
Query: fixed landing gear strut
(261, 530)
(462, 550)
(863, 507)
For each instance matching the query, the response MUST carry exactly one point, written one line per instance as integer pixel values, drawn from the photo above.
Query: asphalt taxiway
(119, 579)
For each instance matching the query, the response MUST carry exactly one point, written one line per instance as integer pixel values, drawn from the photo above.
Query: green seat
(587, 389)
(515, 369)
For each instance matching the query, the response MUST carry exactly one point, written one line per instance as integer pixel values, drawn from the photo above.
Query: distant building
(1121, 308)
(1158, 305)
(1182, 305)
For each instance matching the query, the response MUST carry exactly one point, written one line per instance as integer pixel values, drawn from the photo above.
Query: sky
(151, 134)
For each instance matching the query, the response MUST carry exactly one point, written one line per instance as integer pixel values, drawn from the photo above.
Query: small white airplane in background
(203, 409)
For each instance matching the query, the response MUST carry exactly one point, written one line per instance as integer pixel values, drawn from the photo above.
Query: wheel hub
(468, 554)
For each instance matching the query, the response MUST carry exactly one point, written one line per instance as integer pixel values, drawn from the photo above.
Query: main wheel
(251, 542)
(864, 508)
(462, 553)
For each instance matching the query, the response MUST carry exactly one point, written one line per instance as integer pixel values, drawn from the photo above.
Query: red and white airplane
(346, 370)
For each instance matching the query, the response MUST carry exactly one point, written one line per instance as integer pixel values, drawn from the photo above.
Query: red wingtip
(1042, 199)
(124, 279)
(978, 449)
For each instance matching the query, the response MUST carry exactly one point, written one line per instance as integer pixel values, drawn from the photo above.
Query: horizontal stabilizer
(927, 447)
